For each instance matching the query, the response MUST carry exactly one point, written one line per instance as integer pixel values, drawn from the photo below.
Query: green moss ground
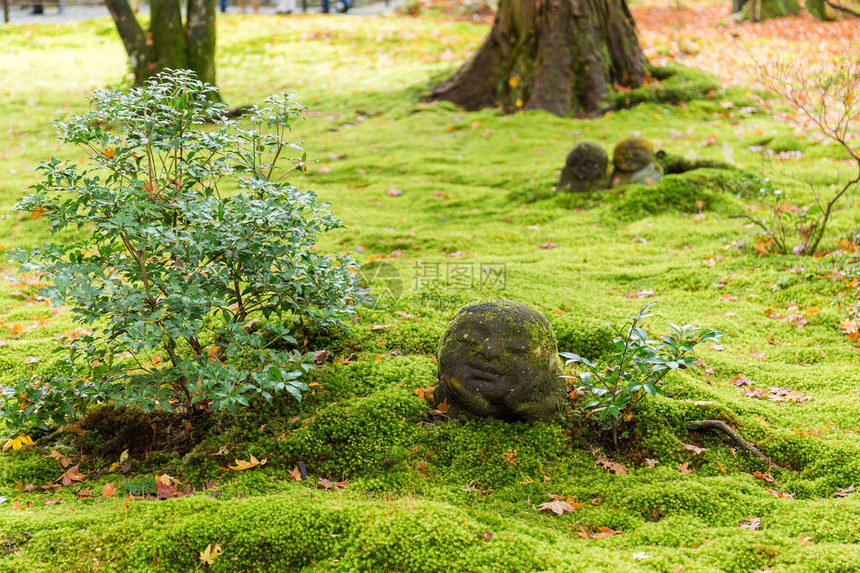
(462, 496)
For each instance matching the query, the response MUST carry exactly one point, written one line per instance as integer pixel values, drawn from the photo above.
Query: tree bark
(169, 42)
(168, 34)
(562, 56)
(201, 38)
(137, 45)
(760, 10)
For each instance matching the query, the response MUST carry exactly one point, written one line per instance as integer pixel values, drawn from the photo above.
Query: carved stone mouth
(482, 371)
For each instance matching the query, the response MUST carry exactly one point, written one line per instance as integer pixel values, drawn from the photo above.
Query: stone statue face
(498, 360)
(587, 161)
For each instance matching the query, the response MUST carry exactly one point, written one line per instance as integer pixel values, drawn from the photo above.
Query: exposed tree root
(736, 437)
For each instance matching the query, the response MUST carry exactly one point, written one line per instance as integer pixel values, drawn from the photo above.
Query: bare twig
(736, 437)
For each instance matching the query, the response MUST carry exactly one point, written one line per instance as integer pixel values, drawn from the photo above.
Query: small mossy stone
(585, 168)
(632, 154)
(500, 360)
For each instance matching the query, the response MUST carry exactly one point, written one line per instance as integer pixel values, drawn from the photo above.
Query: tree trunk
(562, 56)
(169, 42)
(201, 38)
(759, 10)
(816, 8)
(168, 34)
(137, 44)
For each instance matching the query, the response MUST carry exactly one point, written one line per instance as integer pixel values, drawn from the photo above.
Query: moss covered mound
(672, 84)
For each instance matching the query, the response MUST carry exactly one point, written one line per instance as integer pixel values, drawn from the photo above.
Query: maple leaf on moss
(614, 467)
(70, 476)
(246, 465)
(64, 461)
(210, 554)
(18, 442)
(559, 504)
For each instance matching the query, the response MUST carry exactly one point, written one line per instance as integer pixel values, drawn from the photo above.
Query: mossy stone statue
(634, 162)
(585, 169)
(500, 360)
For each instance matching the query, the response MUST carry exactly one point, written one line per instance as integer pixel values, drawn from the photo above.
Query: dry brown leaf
(641, 294)
(767, 478)
(695, 449)
(741, 380)
(556, 506)
(442, 408)
(71, 476)
(425, 394)
(61, 459)
(844, 492)
(614, 467)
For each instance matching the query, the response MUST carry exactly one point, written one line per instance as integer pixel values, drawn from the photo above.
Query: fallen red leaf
(70, 476)
(614, 467)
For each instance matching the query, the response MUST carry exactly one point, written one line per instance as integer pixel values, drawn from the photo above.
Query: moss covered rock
(500, 360)
(632, 154)
(634, 161)
(585, 169)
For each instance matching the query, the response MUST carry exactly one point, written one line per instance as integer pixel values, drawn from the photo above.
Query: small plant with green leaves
(636, 368)
(197, 263)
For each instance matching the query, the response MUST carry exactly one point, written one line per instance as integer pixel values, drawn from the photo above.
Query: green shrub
(191, 294)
